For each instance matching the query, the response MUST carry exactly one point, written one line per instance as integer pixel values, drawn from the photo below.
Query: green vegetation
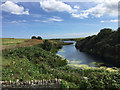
(40, 38)
(105, 44)
(34, 37)
(37, 63)
(11, 41)
(68, 39)
(47, 45)
(27, 63)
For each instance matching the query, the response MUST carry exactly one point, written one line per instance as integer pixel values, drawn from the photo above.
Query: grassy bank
(40, 62)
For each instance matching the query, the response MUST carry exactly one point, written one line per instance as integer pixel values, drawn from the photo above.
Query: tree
(40, 38)
(33, 37)
(118, 35)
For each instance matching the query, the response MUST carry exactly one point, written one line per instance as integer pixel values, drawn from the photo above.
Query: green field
(11, 41)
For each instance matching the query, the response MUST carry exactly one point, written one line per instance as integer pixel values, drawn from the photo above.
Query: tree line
(105, 44)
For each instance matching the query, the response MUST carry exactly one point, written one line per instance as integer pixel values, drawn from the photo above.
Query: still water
(76, 57)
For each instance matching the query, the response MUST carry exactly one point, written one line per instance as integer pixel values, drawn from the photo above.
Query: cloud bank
(103, 7)
(53, 5)
(106, 7)
(51, 19)
(13, 8)
(112, 20)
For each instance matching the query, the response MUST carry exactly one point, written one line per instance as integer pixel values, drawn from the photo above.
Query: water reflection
(76, 57)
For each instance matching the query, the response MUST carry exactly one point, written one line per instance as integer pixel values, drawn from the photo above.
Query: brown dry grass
(26, 43)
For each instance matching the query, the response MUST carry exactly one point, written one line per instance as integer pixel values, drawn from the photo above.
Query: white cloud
(76, 7)
(49, 20)
(102, 1)
(53, 5)
(13, 8)
(44, 21)
(102, 21)
(69, 35)
(57, 19)
(113, 20)
(81, 16)
(13, 22)
(103, 7)
(19, 21)
(106, 7)
(37, 20)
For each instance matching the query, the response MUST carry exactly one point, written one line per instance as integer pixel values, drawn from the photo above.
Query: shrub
(33, 37)
(40, 38)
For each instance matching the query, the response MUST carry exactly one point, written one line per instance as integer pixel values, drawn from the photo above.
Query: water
(76, 57)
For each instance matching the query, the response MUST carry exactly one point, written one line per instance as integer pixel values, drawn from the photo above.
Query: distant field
(68, 39)
(8, 43)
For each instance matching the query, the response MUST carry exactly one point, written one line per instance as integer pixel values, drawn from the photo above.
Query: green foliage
(47, 45)
(40, 38)
(67, 85)
(33, 37)
(94, 78)
(105, 44)
(67, 39)
(36, 55)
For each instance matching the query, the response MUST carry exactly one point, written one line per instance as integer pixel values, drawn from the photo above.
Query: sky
(56, 19)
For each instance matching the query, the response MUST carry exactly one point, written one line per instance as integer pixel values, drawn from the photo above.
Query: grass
(29, 63)
(35, 63)
(68, 39)
(9, 43)
(12, 41)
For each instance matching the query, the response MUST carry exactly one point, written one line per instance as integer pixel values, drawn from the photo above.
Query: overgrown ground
(41, 62)
(10, 43)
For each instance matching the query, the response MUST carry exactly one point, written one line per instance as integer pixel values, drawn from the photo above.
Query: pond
(76, 57)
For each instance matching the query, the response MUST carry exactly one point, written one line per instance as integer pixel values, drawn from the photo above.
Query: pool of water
(76, 57)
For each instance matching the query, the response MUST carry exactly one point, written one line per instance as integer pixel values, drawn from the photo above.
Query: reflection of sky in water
(75, 56)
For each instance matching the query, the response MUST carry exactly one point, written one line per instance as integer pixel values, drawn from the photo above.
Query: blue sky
(55, 19)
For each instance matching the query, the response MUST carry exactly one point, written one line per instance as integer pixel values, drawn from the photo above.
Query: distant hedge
(34, 37)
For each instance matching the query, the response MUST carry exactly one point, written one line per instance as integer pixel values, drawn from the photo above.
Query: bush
(47, 45)
(40, 38)
(33, 37)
